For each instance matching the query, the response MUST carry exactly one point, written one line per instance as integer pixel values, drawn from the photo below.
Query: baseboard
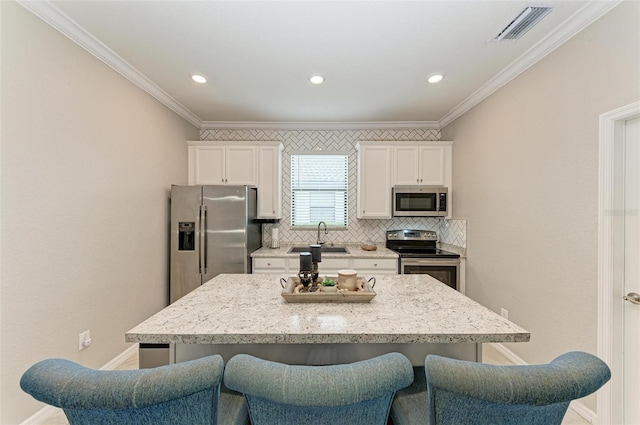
(121, 358)
(510, 355)
(579, 408)
(41, 415)
(48, 411)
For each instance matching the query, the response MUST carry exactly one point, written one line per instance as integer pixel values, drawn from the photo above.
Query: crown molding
(570, 27)
(67, 26)
(350, 125)
(573, 25)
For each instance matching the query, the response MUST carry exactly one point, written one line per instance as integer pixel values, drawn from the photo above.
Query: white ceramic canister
(348, 279)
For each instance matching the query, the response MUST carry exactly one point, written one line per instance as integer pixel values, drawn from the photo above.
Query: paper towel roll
(275, 243)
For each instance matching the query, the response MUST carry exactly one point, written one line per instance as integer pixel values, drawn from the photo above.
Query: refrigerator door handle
(203, 240)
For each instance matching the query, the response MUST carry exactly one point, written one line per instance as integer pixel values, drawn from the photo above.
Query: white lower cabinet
(375, 266)
(288, 266)
(270, 265)
(330, 266)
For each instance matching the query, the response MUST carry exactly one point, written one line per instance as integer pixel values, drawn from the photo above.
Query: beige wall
(526, 176)
(87, 161)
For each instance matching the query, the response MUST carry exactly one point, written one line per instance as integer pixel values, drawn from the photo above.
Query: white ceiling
(257, 55)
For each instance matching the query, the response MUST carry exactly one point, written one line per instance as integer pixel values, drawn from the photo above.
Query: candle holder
(316, 257)
(305, 278)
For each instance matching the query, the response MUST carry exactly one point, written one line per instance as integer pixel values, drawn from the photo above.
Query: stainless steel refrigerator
(213, 231)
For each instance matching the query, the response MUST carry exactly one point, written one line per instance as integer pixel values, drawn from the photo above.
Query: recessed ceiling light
(198, 78)
(316, 79)
(435, 78)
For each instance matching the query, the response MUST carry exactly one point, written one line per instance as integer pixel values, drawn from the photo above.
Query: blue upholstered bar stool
(183, 393)
(457, 392)
(358, 393)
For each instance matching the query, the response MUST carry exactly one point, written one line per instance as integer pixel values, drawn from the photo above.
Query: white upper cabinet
(220, 163)
(423, 164)
(269, 180)
(382, 165)
(241, 163)
(374, 180)
(206, 165)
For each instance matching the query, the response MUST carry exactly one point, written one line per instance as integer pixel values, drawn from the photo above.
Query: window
(319, 189)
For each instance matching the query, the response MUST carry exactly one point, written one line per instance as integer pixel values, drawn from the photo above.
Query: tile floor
(490, 355)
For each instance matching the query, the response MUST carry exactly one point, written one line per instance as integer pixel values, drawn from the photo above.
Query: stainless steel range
(419, 254)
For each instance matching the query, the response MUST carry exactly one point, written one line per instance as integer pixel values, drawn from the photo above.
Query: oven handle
(430, 262)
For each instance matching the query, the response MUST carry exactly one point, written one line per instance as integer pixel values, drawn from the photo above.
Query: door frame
(610, 250)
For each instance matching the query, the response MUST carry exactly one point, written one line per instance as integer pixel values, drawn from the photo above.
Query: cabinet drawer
(334, 264)
(269, 263)
(375, 264)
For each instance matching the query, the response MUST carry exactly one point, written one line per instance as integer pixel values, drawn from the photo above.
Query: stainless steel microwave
(420, 201)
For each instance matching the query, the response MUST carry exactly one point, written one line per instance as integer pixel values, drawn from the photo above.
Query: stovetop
(416, 243)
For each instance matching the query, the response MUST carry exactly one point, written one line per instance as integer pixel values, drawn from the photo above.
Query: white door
(618, 268)
(631, 350)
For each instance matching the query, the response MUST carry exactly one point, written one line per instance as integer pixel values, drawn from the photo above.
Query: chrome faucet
(318, 242)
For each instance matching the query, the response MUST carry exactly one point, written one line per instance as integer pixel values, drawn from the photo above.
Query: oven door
(445, 270)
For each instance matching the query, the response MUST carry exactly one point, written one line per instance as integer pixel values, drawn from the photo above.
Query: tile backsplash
(453, 232)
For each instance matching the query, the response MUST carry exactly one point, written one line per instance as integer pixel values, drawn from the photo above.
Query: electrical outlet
(84, 340)
(504, 313)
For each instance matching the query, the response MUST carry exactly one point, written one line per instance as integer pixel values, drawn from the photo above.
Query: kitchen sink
(325, 249)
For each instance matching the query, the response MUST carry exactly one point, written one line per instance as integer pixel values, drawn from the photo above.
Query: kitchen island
(412, 314)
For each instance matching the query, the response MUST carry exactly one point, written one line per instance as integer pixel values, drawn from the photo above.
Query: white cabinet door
(330, 266)
(231, 163)
(269, 181)
(270, 266)
(218, 163)
(207, 165)
(240, 165)
(371, 267)
(406, 165)
(374, 181)
(432, 166)
(419, 165)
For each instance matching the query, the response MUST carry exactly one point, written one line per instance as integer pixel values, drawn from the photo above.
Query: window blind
(319, 189)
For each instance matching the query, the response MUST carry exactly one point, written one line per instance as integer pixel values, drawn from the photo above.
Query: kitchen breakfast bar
(246, 313)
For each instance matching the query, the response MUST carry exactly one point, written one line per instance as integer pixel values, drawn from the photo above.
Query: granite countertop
(354, 251)
(249, 309)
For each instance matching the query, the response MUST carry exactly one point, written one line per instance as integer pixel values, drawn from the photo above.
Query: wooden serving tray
(363, 296)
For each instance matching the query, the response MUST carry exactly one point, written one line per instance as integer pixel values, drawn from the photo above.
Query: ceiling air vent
(522, 23)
